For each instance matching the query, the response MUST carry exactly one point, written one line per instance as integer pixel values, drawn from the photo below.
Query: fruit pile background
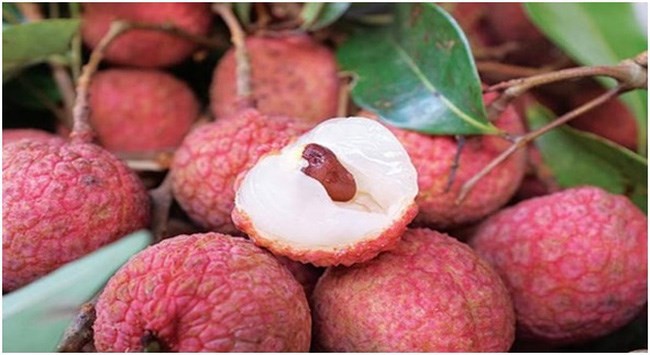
(138, 170)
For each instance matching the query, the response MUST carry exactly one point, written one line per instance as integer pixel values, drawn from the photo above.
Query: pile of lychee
(310, 231)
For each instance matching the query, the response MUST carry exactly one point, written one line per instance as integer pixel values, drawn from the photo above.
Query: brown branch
(521, 141)
(508, 70)
(79, 333)
(161, 201)
(238, 38)
(460, 143)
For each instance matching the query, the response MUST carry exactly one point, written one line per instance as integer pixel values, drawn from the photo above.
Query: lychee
(574, 261)
(203, 292)
(339, 194)
(207, 163)
(146, 48)
(136, 110)
(612, 120)
(429, 294)
(439, 185)
(306, 274)
(11, 135)
(61, 201)
(291, 75)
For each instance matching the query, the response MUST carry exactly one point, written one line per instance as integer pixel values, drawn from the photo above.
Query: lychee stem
(522, 141)
(32, 12)
(238, 38)
(80, 331)
(161, 201)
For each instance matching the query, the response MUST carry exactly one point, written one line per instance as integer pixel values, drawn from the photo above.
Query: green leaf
(32, 88)
(579, 158)
(319, 15)
(31, 43)
(35, 316)
(597, 34)
(243, 12)
(418, 73)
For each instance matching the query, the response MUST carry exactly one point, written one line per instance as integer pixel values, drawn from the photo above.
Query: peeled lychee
(575, 262)
(203, 292)
(339, 194)
(207, 163)
(61, 201)
(429, 294)
(433, 157)
(291, 76)
(146, 48)
(612, 120)
(136, 110)
(11, 135)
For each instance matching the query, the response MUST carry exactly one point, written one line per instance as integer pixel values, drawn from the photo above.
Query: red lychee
(203, 292)
(291, 76)
(15, 134)
(429, 294)
(61, 201)
(433, 157)
(207, 163)
(306, 274)
(575, 262)
(136, 110)
(146, 48)
(612, 120)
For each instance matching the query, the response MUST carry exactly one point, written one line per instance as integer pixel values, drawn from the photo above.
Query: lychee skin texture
(429, 294)
(575, 262)
(140, 110)
(146, 48)
(60, 202)
(306, 274)
(208, 162)
(204, 292)
(12, 135)
(290, 76)
(351, 254)
(433, 157)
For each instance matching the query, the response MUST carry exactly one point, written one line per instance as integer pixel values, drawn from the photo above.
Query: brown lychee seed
(203, 293)
(324, 167)
(292, 214)
(430, 293)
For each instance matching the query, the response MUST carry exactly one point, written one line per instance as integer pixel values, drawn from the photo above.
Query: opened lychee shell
(289, 211)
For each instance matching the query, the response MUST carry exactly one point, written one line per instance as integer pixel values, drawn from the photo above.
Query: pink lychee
(291, 75)
(135, 110)
(211, 157)
(146, 48)
(203, 292)
(575, 262)
(11, 135)
(61, 201)
(429, 294)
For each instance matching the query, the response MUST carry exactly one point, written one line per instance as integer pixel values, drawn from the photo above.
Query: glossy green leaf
(35, 316)
(319, 15)
(578, 158)
(418, 73)
(32, 43)
(597, 34)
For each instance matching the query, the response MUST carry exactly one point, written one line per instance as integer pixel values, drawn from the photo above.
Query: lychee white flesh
(285, 204)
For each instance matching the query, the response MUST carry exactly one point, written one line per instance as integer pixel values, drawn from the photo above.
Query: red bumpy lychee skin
(146, 48)
(208, 162)
(12, 135)
(433, 157)
(203, 292)
(290, 76)
(61, 201)
(140, 110)
(575, 262)
(429, 294)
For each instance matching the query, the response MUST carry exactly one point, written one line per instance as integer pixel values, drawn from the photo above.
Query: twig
(80, 331)
(508, 70)
(521, 141)
(460, 140)
(161, 199)
(238, 38)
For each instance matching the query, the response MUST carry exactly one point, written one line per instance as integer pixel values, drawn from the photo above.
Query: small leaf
(320, 15)
(579, 158)
(35, 316)
(243, 12)
(597, 34)
(31, 43)
(418, 73)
